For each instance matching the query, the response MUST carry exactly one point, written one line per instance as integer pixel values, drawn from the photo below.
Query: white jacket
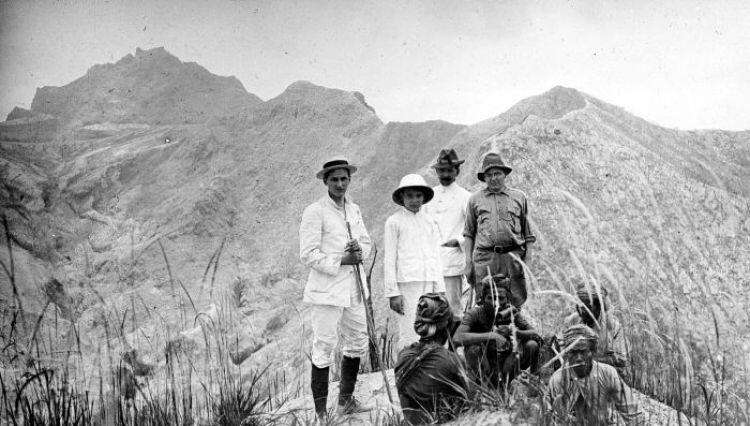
(412, 251)
(448, 207)
(322, 239)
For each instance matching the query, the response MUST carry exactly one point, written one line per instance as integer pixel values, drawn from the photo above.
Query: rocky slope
(150, 185)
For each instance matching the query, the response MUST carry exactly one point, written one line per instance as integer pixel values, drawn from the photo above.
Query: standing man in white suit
(338, 310)
(448, 207)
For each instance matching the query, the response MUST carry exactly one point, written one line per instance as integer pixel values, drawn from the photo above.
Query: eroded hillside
(150, 190)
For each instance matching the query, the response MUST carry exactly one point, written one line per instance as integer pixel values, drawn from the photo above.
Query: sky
(678, 63)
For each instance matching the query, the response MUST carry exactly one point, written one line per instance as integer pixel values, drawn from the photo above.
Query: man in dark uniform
(497, 230)
(498, 338)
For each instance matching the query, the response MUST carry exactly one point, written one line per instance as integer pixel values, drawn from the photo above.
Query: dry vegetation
(48, 380)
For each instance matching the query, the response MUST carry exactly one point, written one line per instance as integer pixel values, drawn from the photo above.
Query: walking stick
(368, 310)
(374, 358)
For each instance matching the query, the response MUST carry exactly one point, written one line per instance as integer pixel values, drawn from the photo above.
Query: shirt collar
(333, 204)
(448, 188)
(504, 190)
(409, 212)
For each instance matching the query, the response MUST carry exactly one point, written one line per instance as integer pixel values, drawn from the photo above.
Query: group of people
(439, 239)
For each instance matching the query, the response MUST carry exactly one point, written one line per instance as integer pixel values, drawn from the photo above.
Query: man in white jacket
(412, 265)
(338, 310)
(448, 207)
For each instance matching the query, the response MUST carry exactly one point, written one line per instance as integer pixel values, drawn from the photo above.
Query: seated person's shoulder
(607, 371)
(524, 321)
(475, 319)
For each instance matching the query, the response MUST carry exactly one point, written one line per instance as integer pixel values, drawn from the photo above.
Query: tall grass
(46, 379)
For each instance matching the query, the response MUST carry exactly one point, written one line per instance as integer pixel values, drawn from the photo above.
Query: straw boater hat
(333, 163)
(412, 181)
(489, 161)
(447, 158)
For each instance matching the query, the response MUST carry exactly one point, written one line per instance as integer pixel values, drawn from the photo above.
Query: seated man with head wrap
(593, 311)
(429, 379)
(587, 392)
(499, 339)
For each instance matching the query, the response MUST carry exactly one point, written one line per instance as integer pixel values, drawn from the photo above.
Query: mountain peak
(156, 51)
(153, 86)
(335, 101)
(549, 105)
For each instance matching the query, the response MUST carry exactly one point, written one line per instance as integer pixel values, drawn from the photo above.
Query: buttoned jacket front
(448, 207)
(412, 251)
(323, 237)
(498, 219)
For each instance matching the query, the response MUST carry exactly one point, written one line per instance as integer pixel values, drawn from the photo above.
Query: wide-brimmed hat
(333, 163)
(447, 158)
(412, 181)
(490, 160)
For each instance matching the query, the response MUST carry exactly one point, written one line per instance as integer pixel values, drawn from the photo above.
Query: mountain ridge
(102, 200)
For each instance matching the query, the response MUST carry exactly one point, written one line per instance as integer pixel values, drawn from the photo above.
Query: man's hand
(352, 258)
(501, 342)
(468, 270)
(352, 246)
(527, 257)
(397, 304)
(503, 330)
(451, 243)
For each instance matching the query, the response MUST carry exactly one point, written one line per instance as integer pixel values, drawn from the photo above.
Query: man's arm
(390, 238)
(615, 354)
(524, 328)
(310, 236)
(527, 228)
(470, 230)
(464, 337)
(625, 402)
(365, 242)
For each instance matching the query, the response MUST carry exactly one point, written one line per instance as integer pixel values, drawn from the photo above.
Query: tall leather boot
(347, 403)
(319, 386)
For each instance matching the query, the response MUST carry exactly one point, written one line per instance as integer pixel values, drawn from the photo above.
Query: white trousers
(411, 291)
(454, 287)
(330, 322)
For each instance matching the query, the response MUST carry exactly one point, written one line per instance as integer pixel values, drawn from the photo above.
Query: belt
(503, 249)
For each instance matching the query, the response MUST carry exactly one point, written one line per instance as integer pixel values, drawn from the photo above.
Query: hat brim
(352, 169)
(440, 165)
(506, 169)
(426, 190)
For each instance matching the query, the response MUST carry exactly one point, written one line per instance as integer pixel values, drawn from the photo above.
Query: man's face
(580, 358)
(494, 177)
(591, 312)
(413, 199)
(446, 174)
(337, 182)
(500, 300)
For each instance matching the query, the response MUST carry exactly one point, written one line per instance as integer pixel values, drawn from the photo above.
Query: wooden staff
(369, 315)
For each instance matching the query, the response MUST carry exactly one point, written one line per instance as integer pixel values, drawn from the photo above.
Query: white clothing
(448, 207)
(412, 251)
(322, 240)
(411, 292)
(328, 322)
(454, 287)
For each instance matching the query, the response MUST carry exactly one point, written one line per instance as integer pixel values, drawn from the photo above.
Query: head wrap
(579, 331)
(589, 294)
(433, 314)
